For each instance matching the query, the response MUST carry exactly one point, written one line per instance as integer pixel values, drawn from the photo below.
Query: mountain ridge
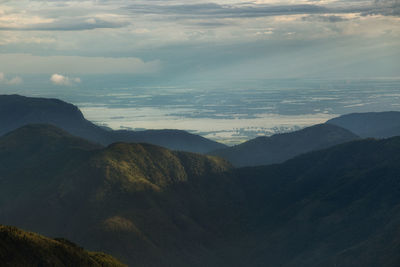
(16, 111)
(277, 148)
(370, 124)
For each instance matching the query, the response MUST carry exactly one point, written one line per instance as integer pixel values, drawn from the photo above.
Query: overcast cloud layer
(201, 39)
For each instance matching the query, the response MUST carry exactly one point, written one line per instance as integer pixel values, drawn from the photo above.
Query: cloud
(252, 10)
(228, 11)
(331, 18)
(210, 24)
(26, 63)
(59, 79)
(14, 81)
(71, 24)
(213, 10)
(385, 8)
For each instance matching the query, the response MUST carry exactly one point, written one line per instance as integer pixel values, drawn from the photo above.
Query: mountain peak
(142, 166)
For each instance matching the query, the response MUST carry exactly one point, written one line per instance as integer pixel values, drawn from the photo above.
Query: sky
(198, 39)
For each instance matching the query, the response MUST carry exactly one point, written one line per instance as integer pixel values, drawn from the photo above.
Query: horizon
(261, 109)
(227, 70)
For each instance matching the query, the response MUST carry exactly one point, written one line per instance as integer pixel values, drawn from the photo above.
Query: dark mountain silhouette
(16, 111)
(370, 124)
(19, 248)
(150, 206)
(265, 150)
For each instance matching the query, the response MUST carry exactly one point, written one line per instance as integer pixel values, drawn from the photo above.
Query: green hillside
(138, 201)
(19, 248)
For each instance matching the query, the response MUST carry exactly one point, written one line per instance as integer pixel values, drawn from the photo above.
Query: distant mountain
(277, 148)
(19, 248)
(16, 111)
(150, 206)
(370, 124)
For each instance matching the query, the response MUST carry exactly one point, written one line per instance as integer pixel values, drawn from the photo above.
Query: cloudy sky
(212, 39)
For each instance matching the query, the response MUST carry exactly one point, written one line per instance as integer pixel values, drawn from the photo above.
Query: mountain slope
(370, 124)
(20, 248)
(280, 147)
(16, 111)
(335, 207)
(140, 202)
(150, 206)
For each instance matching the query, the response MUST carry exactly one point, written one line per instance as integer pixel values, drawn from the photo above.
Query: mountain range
(150, 206)
(16, 111)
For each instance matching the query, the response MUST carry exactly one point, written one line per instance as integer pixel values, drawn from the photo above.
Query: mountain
(21, 248)
(150, 206)
(139, 202)
(16, 111)
(370, 124)
(334, 207)
(265, 150)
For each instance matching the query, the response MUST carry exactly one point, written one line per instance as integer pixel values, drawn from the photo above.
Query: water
(229, 113)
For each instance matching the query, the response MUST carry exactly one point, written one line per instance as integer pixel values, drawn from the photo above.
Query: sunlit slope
(19, 248)
(141, 202)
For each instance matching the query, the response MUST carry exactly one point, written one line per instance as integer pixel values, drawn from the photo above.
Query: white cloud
(59, 79)
(1, 76)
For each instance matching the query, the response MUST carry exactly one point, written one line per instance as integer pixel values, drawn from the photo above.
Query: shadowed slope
(280, 147)
(335, 207)
(153, 207)
(370, 124)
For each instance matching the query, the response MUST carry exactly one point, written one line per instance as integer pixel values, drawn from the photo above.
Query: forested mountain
(140, 202)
